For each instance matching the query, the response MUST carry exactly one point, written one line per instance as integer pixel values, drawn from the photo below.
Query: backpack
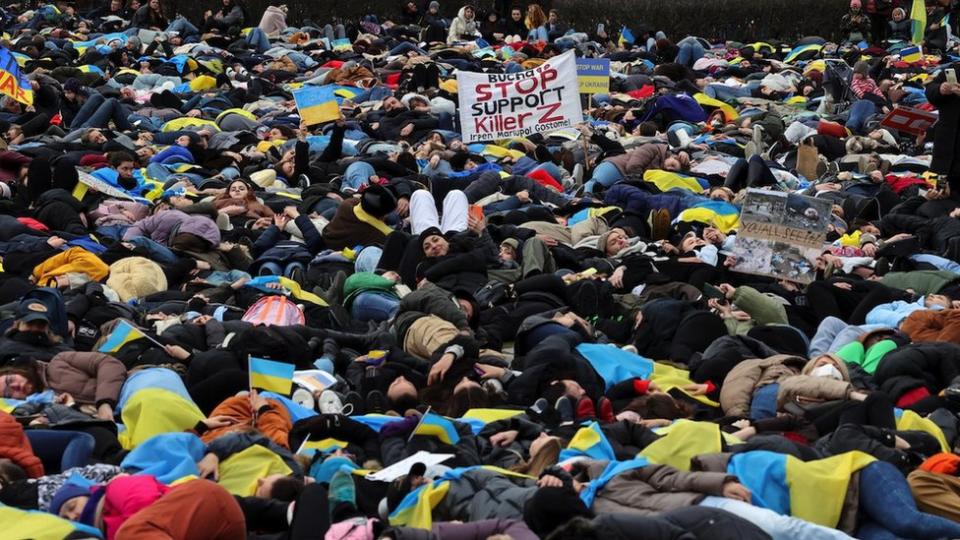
(274, 311)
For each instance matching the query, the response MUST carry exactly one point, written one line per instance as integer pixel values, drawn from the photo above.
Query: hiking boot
(376, 402)
(354, 401)
(333, 295)
(606, 410)
(564, 408)
(342, 489)
(330, 403)
(586, 409)
(660, 224)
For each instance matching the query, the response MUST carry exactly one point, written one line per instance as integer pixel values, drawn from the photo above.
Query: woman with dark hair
(240, 203)
(150, 17)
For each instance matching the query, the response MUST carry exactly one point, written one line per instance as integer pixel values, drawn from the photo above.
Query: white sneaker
(330, 403)
(303, 397)
(577, 173)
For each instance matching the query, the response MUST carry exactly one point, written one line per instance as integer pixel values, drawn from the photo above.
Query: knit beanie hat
(136, 277)
(551, 507)
(65, 493)
(432, 231)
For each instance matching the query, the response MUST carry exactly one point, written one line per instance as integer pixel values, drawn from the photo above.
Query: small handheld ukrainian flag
(434, 425)
(123, 333)
(626, 37)
(911, 54)
(271, 376)
(317, 104)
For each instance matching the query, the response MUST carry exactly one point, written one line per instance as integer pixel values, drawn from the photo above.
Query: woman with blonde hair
(536, 23)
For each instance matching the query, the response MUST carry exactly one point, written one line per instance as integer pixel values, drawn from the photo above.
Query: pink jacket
(127, 495)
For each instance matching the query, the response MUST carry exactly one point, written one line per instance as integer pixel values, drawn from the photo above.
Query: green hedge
(746, 20)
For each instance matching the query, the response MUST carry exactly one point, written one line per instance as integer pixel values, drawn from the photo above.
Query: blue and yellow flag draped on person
(122, 334)
(317, 104)
(271, 376)
(918, 18)
(12, 82)
(434, 425)
(810, 490)
(589, 441)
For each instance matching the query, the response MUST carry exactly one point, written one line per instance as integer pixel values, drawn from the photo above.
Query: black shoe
(356, 400)
(376, 402)
(330, 349)
(564, 408)
(539, 407)
(297, 275)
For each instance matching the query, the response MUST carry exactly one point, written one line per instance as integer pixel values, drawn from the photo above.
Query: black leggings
(752, 173)
(876, 410)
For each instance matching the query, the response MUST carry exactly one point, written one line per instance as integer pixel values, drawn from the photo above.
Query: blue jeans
(61, 450)
(538, 34)
(404, 47)
(689, 53)
(97, 112)
(374, 306)
(158, 252)
(271, 268)
(724, 92)
(860, 112)
(357, 174)
(882, 489)
(779, 527)
(183, 27)
(606, 174)
(368, 259)
(939, 262)
(258, 39)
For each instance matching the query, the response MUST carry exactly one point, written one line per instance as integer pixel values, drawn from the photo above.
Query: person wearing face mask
(31, 333)
(855, 25)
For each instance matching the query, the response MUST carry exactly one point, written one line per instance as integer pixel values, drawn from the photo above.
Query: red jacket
(15, 446)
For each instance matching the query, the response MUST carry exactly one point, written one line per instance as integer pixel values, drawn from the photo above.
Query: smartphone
(476, 211)
(941, 182)
(712, 292)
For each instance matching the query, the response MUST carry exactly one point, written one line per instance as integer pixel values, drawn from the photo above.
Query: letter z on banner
(503, 105)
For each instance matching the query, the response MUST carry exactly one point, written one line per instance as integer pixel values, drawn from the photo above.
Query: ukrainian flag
(271, 376)
(613, 469)
(801, 50)
(12, 82)
(589, 441)
(317, 104)
(123, 333)
(720, 214)
(626, 37)
(918, 16)
(911, 421)
(416, 509)
(615, 365)
(340, 45)
(434, 425)
(911, 54)
(667, 180)
(811, 490)
(324, 446)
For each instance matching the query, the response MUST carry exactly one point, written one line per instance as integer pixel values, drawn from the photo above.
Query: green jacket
(363, 282)
(762, 308)
(921, 281)
(869, 360)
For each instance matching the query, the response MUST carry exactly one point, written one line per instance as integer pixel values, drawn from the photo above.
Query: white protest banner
(503, 105)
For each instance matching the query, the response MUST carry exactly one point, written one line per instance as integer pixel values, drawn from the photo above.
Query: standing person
(944, 93)
(879, 12)
(855, 23)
